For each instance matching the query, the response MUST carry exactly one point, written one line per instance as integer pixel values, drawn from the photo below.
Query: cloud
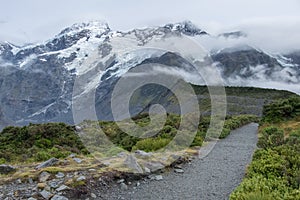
(274, 35)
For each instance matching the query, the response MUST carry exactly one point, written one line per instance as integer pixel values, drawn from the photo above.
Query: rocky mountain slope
(37, 81)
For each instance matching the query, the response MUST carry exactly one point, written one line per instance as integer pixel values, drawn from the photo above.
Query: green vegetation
(282, 110)
(275, 169)
(234, 122)
(38, 142)
(168, 132)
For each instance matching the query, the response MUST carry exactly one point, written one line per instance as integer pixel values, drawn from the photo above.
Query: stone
(48, 163)
(72, 155)
(41, 185)
(62, 188)
(60, 175)
(158, 177)
(54, 183)
(141, 153)
(180, 171)
(59, 197)
(154, 166)
(45, 194)
(81, 178)
(121, 181)
(93, 196)
(138, 184)
(78, 160)
(122, 154)
(178, 167)
(44, 176)
(19, 181)
(6, 169)
(147, 170)
(131, 163)
(78, 128)
(31, 198)
(123, 186)
(30, 181)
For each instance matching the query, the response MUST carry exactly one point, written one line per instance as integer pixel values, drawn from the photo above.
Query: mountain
(37, 80)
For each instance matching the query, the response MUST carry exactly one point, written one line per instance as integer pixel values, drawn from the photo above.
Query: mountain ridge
(36, 83)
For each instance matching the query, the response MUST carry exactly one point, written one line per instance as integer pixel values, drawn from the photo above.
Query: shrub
(151, 144)
(271, 137)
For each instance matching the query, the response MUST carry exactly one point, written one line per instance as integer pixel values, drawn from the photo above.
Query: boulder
(48, 163)
(132, 163)
(6, 169)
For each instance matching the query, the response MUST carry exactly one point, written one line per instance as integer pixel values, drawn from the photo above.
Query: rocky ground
(211, 177)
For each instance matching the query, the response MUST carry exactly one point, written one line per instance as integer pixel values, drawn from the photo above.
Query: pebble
(158, 177)
(147, 170)
(45, 194)
(81, 178)
(180, 171)
(41, 185)
(44, 176)
(58, 197)
(124, 186)
(120, 181)
(93, 196)
(62, 188)
(78, 160)
(60, 175)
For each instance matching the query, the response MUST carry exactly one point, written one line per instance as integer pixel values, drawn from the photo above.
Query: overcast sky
(35, 20)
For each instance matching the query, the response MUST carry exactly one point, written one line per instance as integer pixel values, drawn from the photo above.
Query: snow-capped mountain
(37, 80)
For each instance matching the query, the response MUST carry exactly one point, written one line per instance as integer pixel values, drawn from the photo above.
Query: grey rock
(155, 177)
(81, 178)
(44, 176)
(180, 171)
(45, 194)
(48, 163)
(60, 175)
(131, 163)
(54, 183)
(78, 160)
(141, 153)
(154, 166)
(30, 181)
(178, 167)
(62, 188)
(147, 170)
(78, 128)
(72, 155)
(122, 154)
(121, 181)
(158, 177)
(58, 197)
(6, 169)
(31, 198)
(123, 186)
(93, 196)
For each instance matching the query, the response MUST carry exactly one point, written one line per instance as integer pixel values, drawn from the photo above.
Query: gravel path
(212, 177)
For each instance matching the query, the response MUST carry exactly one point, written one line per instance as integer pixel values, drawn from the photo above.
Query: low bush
(39, 142)
(274, 172)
